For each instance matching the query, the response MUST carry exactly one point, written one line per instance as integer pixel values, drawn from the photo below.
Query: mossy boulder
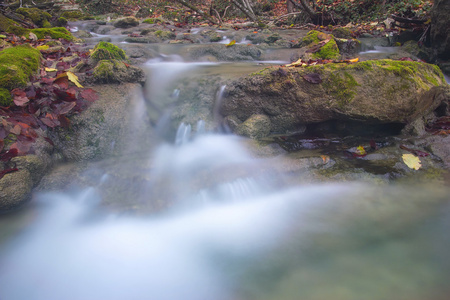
(320, 45)
(107, 51)
(72, 15)
(152, 21)
(61, 22)
(41, 33)
(126, 22)
(116, 71)
(17, 64)
(381, 91)
(5, 23)
(165, 35)
(5, 97)
(39, 17)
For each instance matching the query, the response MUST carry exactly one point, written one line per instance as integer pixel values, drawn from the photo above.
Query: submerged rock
(383, 91)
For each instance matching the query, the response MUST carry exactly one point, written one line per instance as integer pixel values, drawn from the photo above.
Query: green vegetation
(54, 33)
(342, 87)
(72, 15)
(61, 22)
(165, 35)
(5, 23)
(39, 17)
(41, 33)
(107, 71)
(17, 64)
(329, 50)
(5, 97)
(107, 51)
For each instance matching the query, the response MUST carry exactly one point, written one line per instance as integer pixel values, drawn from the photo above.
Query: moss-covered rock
(39, 17)
(320, 45)
(165, 35)
(5, 97)
(379, 91)
(126, 22)
(5, 23)
(17, 64)
(255, 127)
(61, 22)
(342, 33)
(116, 71)
(72, 15)
(107, 51)
(54, 33)
(152, 21)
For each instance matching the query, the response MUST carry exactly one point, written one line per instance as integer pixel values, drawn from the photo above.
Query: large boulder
(440, 29)
(383, 91)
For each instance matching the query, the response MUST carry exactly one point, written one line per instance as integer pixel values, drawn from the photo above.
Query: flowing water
(232, 227)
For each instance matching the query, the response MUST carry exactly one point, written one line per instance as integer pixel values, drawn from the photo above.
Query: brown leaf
(89, 95)
(16, 130)
(313, 78)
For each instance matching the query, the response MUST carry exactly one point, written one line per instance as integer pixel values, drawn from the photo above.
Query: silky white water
(231, 227)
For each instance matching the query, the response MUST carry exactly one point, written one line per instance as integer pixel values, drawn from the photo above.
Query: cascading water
(231, 228)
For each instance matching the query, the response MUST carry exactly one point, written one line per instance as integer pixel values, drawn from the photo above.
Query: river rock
(126, 22)
(15, 189)
(383, 91)
(223, 53)
(104, 129)
(440, 29)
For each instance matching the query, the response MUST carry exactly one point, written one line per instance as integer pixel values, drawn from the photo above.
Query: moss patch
(165, 35)
(107, 71)
(5, 97)
(54, 33)
(17, 64)
(342, 87)
(72, 15)
(328, 51)
(5, 23)
(39, 17)
(107, 51)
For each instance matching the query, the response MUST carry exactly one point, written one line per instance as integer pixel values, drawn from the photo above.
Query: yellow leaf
(72, 77)
(353, 60)
(360, 150)
(231, 43)
(50, 70)
(413, 162)
(297, 63)
(43, 47)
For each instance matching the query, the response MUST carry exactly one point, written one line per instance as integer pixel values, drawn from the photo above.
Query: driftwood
(407, 20)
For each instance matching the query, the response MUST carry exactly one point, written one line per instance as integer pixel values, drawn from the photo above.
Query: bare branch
(202, 13)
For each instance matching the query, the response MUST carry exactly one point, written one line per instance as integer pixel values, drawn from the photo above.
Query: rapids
(233, 230)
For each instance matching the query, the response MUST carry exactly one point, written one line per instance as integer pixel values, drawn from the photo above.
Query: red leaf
(89, 95)
(64, 121)
(2, 144)
(414, 151)
(49, 141)
(4, 172)
(64, 108)
(9, 154)
(68, 95)
(46, 80)
(313, 78)
(62, 82)
(20, 97)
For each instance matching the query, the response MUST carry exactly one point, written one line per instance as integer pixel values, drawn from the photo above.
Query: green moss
(61, 22)
(107, 51)
(165, 35)
(341, 87)
(328, 51)
(54, 33)
(39, 17)
(18, 30)
(149, 21)
(5, 97)
(17, 64)
(342, 32)
(5, 23)
(106, 71)
(72, 15)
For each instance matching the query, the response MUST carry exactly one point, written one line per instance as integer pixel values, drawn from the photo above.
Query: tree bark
(246, 8)
(303, 5)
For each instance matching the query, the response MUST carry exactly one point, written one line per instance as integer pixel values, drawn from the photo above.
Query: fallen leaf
(353, 60)
(414, 151)
(325, 158)
(72, 77)
(50, 70)
(231, 43)
(313, 78)
(43, 47)
(89, 95)
(299, 62)
(413, 162)
(360, 150)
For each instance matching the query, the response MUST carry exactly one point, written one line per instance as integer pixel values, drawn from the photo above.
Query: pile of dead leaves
(48, 101)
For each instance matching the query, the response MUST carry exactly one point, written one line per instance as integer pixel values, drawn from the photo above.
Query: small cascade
(183, 134)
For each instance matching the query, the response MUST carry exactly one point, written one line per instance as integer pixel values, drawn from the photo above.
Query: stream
(207, 219)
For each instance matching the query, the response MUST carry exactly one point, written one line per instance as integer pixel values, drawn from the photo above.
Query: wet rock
(381, 91)
(114, 71)
(148, 39)
(256, 127)
(223, 53)
(104, 128)
(440, 29)
(35, 165)
(126, 22)
(15, 189)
